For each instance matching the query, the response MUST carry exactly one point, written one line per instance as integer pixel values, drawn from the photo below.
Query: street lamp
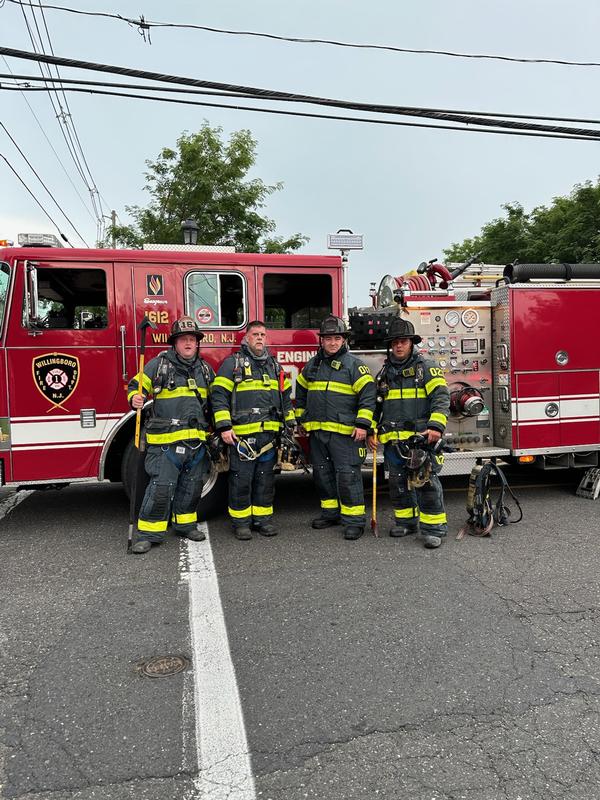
(345, 240)
(190, 231)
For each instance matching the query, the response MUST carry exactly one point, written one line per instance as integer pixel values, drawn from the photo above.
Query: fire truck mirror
(31, 300)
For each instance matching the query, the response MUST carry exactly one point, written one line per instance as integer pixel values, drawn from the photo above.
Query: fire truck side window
(4, 278)
(296, 301)
(72, 298)
(216, 300)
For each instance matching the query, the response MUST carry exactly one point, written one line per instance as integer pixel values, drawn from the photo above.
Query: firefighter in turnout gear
(251, 402)
(413, 399)
(179, 380)
(335, 401)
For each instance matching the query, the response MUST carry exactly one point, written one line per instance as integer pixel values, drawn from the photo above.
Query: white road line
(224, 767)
(13, 501)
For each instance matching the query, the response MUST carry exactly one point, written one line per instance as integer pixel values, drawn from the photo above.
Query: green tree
(566, 231)
(206, 179)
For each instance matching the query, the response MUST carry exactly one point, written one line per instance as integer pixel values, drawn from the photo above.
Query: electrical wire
(14, 171)
(143, 25)
(32, 168)
(269, 94)
(550, 135)
(144, 87)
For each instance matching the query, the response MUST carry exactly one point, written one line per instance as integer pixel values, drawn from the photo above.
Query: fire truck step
(589, 485)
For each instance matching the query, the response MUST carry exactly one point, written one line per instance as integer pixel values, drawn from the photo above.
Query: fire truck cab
(69, 341)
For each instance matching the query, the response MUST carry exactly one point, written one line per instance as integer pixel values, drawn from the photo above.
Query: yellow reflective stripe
(317, 386)
(433, 384)
(352, 511)
(358, 385)
(220, 416)
(329, 503)
(406, 513)
(394, 435)
(182, 391)
(331, 427)
(403, 394)
(257, 427)
(262, 511)
(175, 436)
(242, 514)
(132, 394)
(433, 519)
(287, 384)
(436, 417)
(302, 381)
(257, 386)
(224, 382)
(152, 527)
(146, 382)
(331, 386)
(184, 519)
(290, 416)
(299, 411)
(364, 413)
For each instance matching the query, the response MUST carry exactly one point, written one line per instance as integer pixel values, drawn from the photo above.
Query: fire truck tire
(214, 493)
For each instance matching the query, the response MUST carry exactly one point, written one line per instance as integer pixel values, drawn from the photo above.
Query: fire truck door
(64, 370)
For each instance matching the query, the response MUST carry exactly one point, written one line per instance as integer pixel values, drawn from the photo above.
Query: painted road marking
(13, 500)
(223, 757)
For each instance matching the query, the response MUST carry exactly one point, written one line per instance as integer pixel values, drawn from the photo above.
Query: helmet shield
(185, 326)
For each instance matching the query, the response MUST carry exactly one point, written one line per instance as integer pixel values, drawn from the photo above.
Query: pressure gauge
(431, 342)
(452, 319)
(442, 363)
(442, 341)
(452, 342)
(453, 362)
(470, 318)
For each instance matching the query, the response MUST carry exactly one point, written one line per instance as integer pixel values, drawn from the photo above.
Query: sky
(411, 192)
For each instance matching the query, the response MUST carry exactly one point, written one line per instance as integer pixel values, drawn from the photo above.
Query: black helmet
(402, 329)
(184, 326)
(333, 326)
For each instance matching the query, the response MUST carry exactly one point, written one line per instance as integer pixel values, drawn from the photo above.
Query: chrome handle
(123, 354)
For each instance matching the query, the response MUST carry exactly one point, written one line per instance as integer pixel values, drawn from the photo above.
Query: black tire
(214, 493)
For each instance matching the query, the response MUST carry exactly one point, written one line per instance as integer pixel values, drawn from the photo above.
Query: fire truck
(69, 343)
(519, 349)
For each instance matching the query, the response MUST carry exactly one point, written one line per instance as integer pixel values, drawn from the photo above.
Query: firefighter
(251, 402)
(412, 398)
(179, 380)
(335, 401)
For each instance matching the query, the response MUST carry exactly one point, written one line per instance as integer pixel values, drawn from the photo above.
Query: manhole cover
(164, 666)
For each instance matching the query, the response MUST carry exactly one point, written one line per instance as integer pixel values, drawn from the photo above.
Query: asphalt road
(368, 669)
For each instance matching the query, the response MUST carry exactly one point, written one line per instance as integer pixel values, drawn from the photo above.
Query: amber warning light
(6, 243)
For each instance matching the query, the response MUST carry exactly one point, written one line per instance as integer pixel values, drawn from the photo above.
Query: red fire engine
(69, 342)
(519, 347)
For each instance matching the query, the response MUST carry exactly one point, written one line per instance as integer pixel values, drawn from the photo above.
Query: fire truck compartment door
(65, 373)
(557, 410)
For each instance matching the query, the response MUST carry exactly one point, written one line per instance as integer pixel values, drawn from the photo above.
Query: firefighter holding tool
(412, 410)
(176, 433)
(335, 401)
(252, 404)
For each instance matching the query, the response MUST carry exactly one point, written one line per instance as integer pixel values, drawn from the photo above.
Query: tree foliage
(566, 231)
(206, 179)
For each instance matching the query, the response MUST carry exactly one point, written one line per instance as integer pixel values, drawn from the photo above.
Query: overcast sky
(410, 191)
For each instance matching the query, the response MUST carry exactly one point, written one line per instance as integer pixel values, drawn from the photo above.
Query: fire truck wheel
(214, 492)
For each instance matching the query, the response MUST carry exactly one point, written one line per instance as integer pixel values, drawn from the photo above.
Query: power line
(270, 94)
(144, 26)
(594, 136)
(212, 93)
(43, 130)
(32, 168)
(16, 174)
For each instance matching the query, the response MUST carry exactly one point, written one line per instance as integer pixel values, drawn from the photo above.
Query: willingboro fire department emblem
(56, 375)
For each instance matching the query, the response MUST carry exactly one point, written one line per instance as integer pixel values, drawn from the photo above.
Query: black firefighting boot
(265, 528)
(194, 535)
(400, 530)
(431, 542)
(325, 522)
(242, 533)
(353, 532)
(141, 546)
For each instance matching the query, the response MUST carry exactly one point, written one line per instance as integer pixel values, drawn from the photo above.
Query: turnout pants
(420, 507)
(175, 488)
(337, 460)
(252, 483)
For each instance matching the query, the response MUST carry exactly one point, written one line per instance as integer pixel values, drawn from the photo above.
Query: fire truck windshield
(4, 279)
